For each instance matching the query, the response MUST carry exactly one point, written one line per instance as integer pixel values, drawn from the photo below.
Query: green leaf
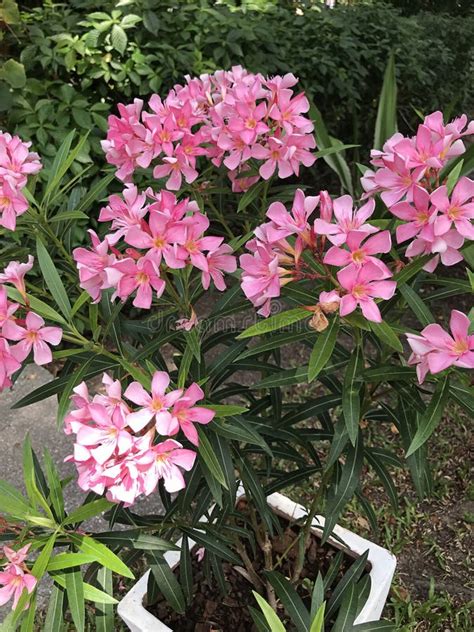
(416, 304)
(67, 216)
(186, 570)
(348, 610)
(317, 598)
(36, 305)
(13, 73)
(52, 279)
(432, 416)
(323, 348)
(226, 410)
(54, 616)
(42, 561)
(324, 141)
(61, 164)
(75, 598)
(73, 381)
(69, 560)
(386, 122)
(91, 593)
(167, 582)
(95, 192)
(238, 430)
(388, 373)
(454, 176)
(284, 319)
(342, 492)
(12, 502)
(407, 418)
(387, 335)
(29, 475)
(333, 150)
(212, 544)
(270, 615)
(464, 396)
(317, 624)
(274, 342)
(206, 453)
(351, 576)
(102, 554)
(54, 484)
(89, 510)
(249, 196)
(351, 393)
(119, 39)
(409, 271)
(104, 612)
(290, 599)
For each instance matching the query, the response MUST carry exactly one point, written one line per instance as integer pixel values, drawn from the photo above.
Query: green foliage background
(66, 65)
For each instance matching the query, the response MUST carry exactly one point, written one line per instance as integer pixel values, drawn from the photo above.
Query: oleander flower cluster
(124, 443)
(235, 118)
(21, 333)
(408, 174)
(15, 576)
(434, 350)
(156, 232)
(279, 248)
(16, 164)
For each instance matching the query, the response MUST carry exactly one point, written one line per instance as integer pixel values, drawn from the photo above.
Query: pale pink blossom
(175, 167)
(218, 260)
(185, 414)
(419, 216)
(459, 210)
(346, 219)
(435, 350)
(445, 248)
(152, 407)
(261, 278)
(296, 221)
(34, 336)
(15, 576)
(12, 204)
(92, 265)
(360, 252)
(363, 285)
(7, 309)
(124, 212)
(15, 273)
(8, 364)
(169, 457)
(142, 276)
(17, 162)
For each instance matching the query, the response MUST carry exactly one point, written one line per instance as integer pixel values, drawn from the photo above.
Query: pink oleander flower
(15, 273)
(158, 239)
(218, 261)
(287, 110)
(419, 216)
(261, 278)
(459, 210)
(12, 204)
(8, 364)
(15, 577)
(240, 183)
(143, 276)
(187, 324)
(103, 437)
(17, 162)
(169, 457)
(347, 220)
(329, 301)
(80, 414)
(124, 213)
(176, 167)
(398, 180)
(445, 248)
(34, 336)
(7, 309)
(93, 264)
(185, 414)
(275, 156)
(194, 241)
(359, 254)
(325, 206)
(363, 285)
(153, 407)
(112, 400)
(435, 350)
(295, 222)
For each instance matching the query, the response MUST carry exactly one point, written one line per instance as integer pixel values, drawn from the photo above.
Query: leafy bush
(106, 52)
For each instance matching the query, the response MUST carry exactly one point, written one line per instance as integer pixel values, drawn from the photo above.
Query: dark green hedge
(76, 72)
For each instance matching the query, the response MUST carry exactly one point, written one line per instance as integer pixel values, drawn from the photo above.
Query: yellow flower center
(142, 277)
(358, 256)
(460, 347)
(454, 213)
(4, 202)
(358, 291)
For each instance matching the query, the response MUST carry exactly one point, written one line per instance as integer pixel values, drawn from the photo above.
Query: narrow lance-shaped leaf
(351, 393)
(386, 122)
(284, 319)
(270, 615)
(52, 279)
(323, 348)
(432, 416)
(290, 599)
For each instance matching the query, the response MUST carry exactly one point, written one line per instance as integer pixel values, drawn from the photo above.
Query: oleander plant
(168, 298)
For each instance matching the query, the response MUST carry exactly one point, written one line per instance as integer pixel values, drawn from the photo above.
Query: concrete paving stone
(39, 420)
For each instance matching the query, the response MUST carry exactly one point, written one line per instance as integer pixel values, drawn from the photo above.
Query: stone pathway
(39, 420)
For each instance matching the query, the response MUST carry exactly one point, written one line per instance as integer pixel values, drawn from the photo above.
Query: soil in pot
(211, 610)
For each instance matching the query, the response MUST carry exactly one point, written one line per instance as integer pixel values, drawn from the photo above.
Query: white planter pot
(132, 611)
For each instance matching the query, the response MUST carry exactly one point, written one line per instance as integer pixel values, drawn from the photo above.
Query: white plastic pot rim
(132, 611)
